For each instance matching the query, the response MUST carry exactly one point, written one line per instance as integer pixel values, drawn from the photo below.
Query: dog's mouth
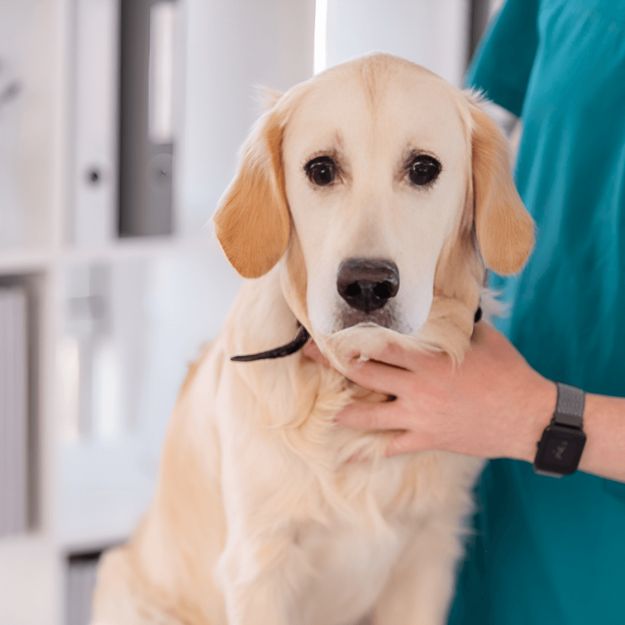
(302, 336)
(384, 317)
(381, 319)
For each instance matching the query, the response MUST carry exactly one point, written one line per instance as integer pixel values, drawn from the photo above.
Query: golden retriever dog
(368, 203)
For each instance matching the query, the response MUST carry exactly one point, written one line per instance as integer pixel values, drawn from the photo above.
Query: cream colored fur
(266, 512)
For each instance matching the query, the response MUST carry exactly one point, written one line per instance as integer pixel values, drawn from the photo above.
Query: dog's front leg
(258, 576)
(420, 588)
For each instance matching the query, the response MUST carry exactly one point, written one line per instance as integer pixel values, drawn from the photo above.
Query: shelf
(23, 261)
(104, 491)
(135, 248)
(18, 262)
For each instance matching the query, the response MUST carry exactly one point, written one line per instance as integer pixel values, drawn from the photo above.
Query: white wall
(231, 46)
(432, 33)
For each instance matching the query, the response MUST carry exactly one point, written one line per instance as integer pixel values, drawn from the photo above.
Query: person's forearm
(494, 405)
(604, 424)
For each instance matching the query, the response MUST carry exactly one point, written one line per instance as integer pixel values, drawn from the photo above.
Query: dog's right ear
(253, 222)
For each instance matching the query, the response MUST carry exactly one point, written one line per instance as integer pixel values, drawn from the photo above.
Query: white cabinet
(114, 322)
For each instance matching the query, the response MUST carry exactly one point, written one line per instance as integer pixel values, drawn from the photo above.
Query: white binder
(94, 121)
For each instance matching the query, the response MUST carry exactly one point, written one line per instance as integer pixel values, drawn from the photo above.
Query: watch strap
(561, 445)
(569, 406)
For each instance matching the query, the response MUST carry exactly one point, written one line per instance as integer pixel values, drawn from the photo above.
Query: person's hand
(492, 405)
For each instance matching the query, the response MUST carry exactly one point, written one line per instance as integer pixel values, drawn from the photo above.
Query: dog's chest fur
(349, 512)
(350, 565)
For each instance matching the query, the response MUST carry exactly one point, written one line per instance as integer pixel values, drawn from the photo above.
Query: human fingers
(370, 416)
(379, 377)
(411, 359)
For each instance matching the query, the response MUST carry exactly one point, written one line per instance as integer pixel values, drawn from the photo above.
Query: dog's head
(376, 185)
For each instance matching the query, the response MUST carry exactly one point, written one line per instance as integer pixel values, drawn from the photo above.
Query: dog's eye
(321, 171)
(423, 170)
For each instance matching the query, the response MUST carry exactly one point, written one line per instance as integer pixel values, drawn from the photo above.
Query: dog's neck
(267, 327)
(296, 398)
(261, 320)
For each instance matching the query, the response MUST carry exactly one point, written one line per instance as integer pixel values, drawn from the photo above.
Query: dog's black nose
(366, 284)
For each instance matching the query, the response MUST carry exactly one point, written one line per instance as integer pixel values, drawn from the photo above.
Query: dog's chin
(386, 317)
(353, 335)
(361, 341)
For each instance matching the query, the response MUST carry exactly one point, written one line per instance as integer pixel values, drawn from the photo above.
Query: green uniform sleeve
(503, 62)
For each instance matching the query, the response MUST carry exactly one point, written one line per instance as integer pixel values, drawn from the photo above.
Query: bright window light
(321, 24)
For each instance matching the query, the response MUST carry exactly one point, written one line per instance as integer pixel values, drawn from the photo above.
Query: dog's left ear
(504, 228)
(253, 221)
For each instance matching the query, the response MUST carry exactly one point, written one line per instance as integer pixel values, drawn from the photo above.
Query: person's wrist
(535, 414)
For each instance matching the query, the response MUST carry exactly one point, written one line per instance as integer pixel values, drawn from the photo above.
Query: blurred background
(120, 122)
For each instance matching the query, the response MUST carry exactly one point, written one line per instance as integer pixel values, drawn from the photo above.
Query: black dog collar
(278, 352)
(298, 342)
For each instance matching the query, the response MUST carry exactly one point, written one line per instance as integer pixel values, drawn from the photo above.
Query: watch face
(559, 450)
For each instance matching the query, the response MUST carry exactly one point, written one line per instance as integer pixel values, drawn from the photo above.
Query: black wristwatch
(562, 443)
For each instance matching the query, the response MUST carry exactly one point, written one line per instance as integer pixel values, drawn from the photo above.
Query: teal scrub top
(544, 550)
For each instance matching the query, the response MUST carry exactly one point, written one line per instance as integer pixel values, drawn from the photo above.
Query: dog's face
(370, 170)
(376, 178)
